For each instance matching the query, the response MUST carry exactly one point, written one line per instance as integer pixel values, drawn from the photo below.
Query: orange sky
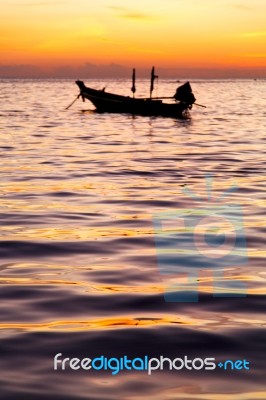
(168, 33)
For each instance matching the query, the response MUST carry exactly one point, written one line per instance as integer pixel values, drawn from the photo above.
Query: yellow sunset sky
(168, 33)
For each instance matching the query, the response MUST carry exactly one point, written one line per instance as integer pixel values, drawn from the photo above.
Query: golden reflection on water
(201, 323)
(70, 233)
(189, 393)
(53, 276)
(104, 323)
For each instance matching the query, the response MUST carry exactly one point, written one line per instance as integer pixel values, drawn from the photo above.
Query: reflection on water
(78, 269)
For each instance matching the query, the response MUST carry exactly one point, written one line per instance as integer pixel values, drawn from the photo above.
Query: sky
(63, 37)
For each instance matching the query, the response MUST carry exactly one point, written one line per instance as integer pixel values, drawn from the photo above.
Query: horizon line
(116, 71)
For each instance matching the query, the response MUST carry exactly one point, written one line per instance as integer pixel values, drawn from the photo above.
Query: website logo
(116, 365)
(209, 236)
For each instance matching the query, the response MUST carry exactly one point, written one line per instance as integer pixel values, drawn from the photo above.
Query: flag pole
(133, 88)
(153, 77)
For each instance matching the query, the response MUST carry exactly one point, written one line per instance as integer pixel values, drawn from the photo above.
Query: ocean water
(84, 266)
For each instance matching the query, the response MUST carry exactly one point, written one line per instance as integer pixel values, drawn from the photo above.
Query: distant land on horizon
(89, 70)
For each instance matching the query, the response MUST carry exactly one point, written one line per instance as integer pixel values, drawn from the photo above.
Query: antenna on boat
(133, 88)
(153, 77)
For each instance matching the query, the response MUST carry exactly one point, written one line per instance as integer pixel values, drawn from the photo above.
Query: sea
(132, 250)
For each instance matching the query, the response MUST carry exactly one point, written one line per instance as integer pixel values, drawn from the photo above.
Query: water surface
(79, 265)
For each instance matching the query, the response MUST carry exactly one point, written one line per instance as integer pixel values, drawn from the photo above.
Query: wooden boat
(113, 103)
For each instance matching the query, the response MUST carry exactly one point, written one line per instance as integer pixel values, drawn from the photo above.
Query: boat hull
(112, 103)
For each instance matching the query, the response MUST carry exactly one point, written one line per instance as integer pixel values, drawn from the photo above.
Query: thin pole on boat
(166, 98)
(169, 98)
(153, 77)
(200, 105)
(73, 102)
(133, 88)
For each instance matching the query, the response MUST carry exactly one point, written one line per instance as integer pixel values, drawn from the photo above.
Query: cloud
(243, 7)
(116, 8)
(256, 55)
(137, 16)
(252, 34)
(126, 13)
(20, 71)
(113, 71)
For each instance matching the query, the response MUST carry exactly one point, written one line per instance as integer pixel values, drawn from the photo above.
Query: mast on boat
(153, 77)
(133, 88)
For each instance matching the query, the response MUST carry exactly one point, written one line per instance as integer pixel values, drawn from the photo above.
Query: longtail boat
(114, 103)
